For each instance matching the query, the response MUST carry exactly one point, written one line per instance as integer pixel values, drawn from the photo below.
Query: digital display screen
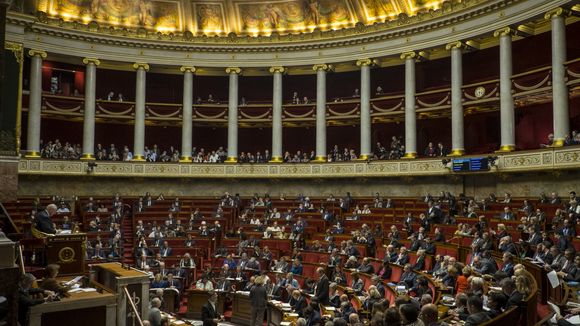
(470, 164)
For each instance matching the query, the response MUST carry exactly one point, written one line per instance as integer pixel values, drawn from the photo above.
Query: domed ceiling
(243, 17)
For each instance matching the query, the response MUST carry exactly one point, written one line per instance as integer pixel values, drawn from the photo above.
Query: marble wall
(8, 178)
(518, 184)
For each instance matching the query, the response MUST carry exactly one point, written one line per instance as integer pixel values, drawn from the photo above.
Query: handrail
(4, 212)
(133, 306)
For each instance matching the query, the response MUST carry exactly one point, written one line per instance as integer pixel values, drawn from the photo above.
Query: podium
(114, 277)
(67, 250)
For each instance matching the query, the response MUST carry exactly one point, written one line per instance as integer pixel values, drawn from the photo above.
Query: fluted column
(233, 115)
(186, 128)
(457, 136)
(507, 120)
(561, 114)
(321, 70)
(35, 103)
(89, 114)
(277, 114)
(410, 116)
(365, 107)
(139, 135)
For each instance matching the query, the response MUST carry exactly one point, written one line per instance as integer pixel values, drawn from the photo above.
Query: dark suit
(477, 318)
(44, 223)
(403, 260)
(208, 314)
(367, 269)
(515, 299)
(298, 305)
(419, 264)
(25, 301)
(334, 261)
(259, 296)
(322, 290)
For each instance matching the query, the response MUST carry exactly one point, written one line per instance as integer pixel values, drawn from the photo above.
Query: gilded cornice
(187, 69)
(39, 53)
(505, 31)
(558, 12)
(233, 70)
(366, 62)
(277, 69)
(322, 67)
(94, 61)
(141, 65)
(451, 13)
(549, 159)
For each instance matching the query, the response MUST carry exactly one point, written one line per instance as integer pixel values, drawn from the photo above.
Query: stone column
(365, 108)
(561, 114)
(508, 142)
(457, 136)
(410, 116)
(186, 128)
(35, 103)
(89, 118)
(277, 115)
(321, 70)
(233, 115)
(139, 136)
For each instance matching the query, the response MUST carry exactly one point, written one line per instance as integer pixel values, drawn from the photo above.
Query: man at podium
(44, 219)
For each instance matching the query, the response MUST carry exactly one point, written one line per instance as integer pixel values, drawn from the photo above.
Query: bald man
(43, 219)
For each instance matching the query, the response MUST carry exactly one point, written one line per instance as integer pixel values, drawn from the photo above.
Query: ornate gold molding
(188, 69)
(456, 45)
(366, 62)
(94, 61)
(557, 12)
(416, 55)
(233, 70)
(505, 31)
(323, 67)
(141, 65)
(549, 159)
(277, 69)
(39, 53)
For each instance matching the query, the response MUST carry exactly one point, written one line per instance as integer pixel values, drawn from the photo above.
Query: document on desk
(553, 278)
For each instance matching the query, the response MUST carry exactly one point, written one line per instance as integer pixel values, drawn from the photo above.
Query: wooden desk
(242, 309)
(88, 308)
(114, 277)
(541, 277)
(197, 298)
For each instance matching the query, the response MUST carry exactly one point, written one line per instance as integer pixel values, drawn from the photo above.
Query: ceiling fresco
(243, 17)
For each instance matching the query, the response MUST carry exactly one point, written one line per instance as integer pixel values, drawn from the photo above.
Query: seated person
(357, 284)
(25, 299)
(159, 282)
(408, 277)
(50, 283)
(298, 302)
(296, 267)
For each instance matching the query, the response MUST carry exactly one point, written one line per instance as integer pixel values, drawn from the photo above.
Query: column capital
(366, 62)
(416, 55)
(233, 70)
(141, 65)
(504, 31)
(277, 69)
(322, 66)
(456, 45)
(187, 69)
(94, 61)
(557, 12)
(39, 53)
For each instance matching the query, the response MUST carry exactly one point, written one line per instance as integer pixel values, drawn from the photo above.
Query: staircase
(128, 239)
